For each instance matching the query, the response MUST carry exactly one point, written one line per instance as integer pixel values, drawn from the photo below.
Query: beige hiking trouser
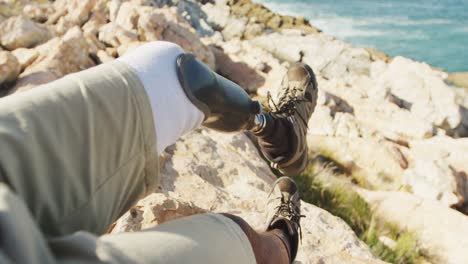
(75, 155)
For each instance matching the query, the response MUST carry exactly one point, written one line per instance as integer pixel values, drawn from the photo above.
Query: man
(77, 153)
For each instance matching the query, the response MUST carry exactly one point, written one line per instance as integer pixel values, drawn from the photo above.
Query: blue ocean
(433, 31)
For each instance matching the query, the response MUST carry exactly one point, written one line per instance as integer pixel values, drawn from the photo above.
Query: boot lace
(287, 103)
(287, 209)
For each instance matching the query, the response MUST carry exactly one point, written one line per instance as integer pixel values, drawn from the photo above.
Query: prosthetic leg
(228, 108)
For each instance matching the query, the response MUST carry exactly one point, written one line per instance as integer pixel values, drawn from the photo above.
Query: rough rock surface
(441, 231)
(209, 171)
(21, 32)
(58, 57)
(9, 67)
(391, 123)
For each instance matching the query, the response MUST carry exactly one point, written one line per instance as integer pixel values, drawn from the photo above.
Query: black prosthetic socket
(226, 106)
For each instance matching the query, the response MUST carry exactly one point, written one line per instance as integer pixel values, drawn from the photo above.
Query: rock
(434, 180)
(124, 48)
(234, 28)
(127, 16)
(115, 35)
(242, 53)
(94, 45)
(377, 55)
(238, 71)
(247, 9)
(459, 79)
(21, 32)
(72, 13)
(9, 67)
(441, 231)
(57, 57)
(424, 89)
(192, 13)
(164, 24)
(25, 56)
(442, 169)
(209, 171)
(38, 12)
(316, 50)
(113, 6)
(103, 56)
(97, 20)
(216, 15)
(253, 30)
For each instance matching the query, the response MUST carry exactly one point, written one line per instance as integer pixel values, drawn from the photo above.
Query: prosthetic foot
(282, 132)
(284, 213)
(227, 107)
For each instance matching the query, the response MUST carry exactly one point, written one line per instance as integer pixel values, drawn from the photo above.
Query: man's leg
(81, 150)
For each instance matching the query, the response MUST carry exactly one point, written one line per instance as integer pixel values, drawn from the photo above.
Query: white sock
(174, 114)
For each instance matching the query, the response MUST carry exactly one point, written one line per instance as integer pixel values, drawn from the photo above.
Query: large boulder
(438, 170)
(9, 67)
(21, 32)
(440, 231)
(424, 90)
(209, 171)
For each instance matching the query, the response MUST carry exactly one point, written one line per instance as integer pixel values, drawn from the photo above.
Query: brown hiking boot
(284, 212)
(282, 138)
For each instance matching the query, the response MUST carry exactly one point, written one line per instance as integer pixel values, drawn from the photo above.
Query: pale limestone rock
(253, 30)
(21, 32)
(192, 13)
(209, 171)
(238, 71)
(441, 231)
(94, 45)
(113, 6)
(115, 35)
(112, 52)
(164, 24)
(440, 163)
(241, 54)
(57, 57)
(72, 13)
(95, 22)
(424, 89)
(25, 56)
(9, 67)
(38, 12)
(104, 57)
(217, 15)
(127, 16)
(234, 28)
(434, 180)
(124, 48)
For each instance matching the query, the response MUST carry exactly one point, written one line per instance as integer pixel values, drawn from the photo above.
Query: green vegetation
(325, 187)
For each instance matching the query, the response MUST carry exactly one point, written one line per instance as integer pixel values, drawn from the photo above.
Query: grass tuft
(326, 188)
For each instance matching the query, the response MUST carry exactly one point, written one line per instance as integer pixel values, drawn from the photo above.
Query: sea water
(433, 31)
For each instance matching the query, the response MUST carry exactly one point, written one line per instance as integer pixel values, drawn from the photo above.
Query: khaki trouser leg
(76, 154)
(79, 151)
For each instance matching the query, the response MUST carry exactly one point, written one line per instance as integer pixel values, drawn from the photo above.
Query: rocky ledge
(394, 126)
